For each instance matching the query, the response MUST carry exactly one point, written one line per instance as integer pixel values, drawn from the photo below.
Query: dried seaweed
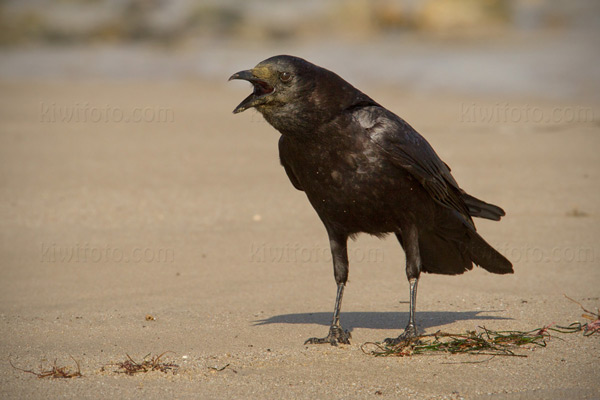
(591, 327)
(132, 367)
(483, 342)
(54, 372)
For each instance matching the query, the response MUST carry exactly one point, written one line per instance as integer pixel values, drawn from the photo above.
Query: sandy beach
(143, 217)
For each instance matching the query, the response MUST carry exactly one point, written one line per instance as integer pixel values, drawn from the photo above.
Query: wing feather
(407, 149)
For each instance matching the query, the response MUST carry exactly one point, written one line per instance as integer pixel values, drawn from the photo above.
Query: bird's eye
(285, 76)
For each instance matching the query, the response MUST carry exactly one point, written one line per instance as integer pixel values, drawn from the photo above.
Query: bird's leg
(339, 252)
(410, 243)
(411, 328)
(336, 333)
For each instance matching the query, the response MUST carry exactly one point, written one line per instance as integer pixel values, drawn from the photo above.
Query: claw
(336, 335)
(410, 332)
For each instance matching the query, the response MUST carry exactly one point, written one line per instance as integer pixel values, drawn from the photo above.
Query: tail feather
(451, 257)
(442, 256)
(454, 245)
(486, 256)
(481, 209)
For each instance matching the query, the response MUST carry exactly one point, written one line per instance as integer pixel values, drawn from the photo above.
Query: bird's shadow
(382, 320)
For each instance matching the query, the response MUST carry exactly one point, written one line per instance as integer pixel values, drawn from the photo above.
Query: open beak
(257, 97)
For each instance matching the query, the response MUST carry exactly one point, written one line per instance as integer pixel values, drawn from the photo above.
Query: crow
(364, 169)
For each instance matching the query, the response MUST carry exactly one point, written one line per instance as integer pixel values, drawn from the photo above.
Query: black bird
(364, 169)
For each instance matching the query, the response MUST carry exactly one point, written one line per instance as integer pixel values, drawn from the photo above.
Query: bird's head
(277, 81)
(294, 95)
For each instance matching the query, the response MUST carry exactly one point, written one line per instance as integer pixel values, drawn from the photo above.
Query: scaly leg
(336, 333)
(339, 252)
(410, 242)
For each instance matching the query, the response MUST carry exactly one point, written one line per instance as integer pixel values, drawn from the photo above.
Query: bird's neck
(306, 118)
(292, 120)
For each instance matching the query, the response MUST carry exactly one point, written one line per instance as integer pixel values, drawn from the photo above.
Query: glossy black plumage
(364, 169)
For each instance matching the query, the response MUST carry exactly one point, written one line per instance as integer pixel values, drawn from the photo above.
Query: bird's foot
(410, 332)
(336, 335)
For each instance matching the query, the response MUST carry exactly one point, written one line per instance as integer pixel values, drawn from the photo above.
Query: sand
(184, 214)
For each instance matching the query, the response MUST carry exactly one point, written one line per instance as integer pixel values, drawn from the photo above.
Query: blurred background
(540, 48)
(128, 189)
